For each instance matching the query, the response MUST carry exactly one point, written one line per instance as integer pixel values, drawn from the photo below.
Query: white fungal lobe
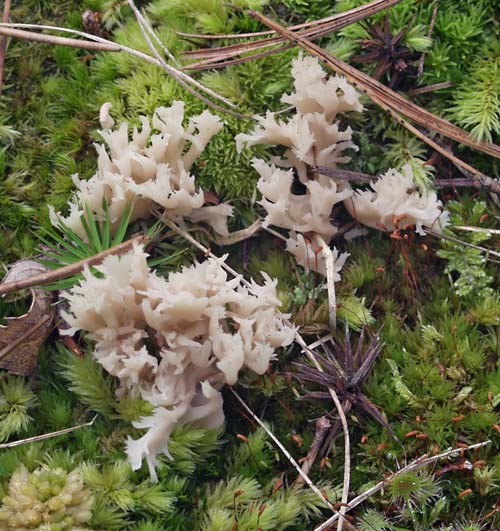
(394, 203)
(204, 327)
(151, 170)
(312, 136)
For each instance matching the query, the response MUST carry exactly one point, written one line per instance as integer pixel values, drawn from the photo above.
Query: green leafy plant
(16, 399)
(65, 247)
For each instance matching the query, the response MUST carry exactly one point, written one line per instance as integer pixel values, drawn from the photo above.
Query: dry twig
(321, 429)
(429, 33)
(55, 40)
(221, 56)
(3, 41)
(430, 88)
(411, 467)
(69, 270)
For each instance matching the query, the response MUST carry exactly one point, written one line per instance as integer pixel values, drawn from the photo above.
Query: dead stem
(69, 270)
(55, 40)
(430, 88)
(221, 56)
(321, 429)
(411, 467)
(366, 10)
(429, 33)
(3, 41)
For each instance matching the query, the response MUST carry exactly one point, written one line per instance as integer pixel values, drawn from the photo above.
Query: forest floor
(427, 307)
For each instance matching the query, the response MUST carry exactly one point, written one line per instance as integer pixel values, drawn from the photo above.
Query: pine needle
(221, 56)
(50, 435)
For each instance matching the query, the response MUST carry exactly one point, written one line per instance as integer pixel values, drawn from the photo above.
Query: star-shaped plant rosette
(345, 369)
(387, 52)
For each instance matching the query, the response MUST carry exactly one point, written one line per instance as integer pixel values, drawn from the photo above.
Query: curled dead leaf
(21, 337)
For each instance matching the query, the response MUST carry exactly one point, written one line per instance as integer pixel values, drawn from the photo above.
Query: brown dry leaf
(22, 337)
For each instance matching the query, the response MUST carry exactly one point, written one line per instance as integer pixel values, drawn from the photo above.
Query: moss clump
(47, 500)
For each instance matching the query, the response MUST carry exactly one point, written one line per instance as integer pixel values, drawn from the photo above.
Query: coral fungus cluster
(176, 341)
(313, 137)
(151, 170)
(394, 203)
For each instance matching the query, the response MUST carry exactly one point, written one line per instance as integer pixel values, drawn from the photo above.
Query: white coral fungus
(151, 170)
(309, 212)
(311, 137)
(176, 341)
(394, 203)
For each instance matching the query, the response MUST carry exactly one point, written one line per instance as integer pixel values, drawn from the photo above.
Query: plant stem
(429, 33)
(3, 41)
(321, 429)
(62, 41)
(414, 465)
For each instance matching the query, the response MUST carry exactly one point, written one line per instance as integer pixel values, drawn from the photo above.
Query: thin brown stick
(179, 76)
(321, 428)
(411, 467)
(368, 10)
(430, 88)
(313, 31)
(285, 452)
(3, 41)
(70, 270)
(38, 438)
(62, 41)
(384, 96)
(429, 33)
(20, 339)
